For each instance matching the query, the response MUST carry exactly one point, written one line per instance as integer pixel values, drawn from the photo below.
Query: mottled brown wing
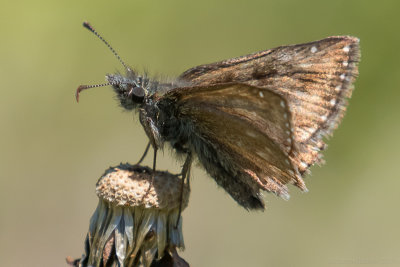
(314, 78)
(248, 126)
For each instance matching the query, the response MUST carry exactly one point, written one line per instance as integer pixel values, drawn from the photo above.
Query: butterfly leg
(144, 154)
(153, 173)
(185, 174)
(154, 160)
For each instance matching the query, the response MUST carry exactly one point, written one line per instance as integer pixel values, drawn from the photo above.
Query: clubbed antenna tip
(90, 28)
(84, 87)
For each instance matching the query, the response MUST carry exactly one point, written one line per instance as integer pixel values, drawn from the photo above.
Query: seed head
(135, 221)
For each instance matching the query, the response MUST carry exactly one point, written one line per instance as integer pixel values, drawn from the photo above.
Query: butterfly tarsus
(144, 154)
(154, 160)
(185, 174)
(154, 165)
(153, 173)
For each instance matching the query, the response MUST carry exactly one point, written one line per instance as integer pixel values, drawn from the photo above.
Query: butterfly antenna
(84, 87)
(90, 28)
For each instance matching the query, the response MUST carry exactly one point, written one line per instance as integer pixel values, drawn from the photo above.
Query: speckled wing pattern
(314, 79)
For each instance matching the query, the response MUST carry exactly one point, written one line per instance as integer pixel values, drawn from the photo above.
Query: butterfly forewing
(314, 78)
(249, 128)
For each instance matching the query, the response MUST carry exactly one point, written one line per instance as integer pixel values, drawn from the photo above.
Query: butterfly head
(130, 91)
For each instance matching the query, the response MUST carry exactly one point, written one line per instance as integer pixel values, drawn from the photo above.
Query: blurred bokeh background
(53, 150)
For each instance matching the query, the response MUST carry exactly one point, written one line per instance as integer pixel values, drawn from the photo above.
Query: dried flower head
(135, 221)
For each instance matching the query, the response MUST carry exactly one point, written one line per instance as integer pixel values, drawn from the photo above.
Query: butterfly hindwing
(242, 130)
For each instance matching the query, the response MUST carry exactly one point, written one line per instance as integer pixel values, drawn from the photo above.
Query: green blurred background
(53, 149)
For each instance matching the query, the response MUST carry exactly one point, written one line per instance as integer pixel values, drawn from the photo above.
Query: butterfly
(255, 123)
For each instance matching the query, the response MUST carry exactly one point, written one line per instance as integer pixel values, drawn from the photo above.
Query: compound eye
(138, 94)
